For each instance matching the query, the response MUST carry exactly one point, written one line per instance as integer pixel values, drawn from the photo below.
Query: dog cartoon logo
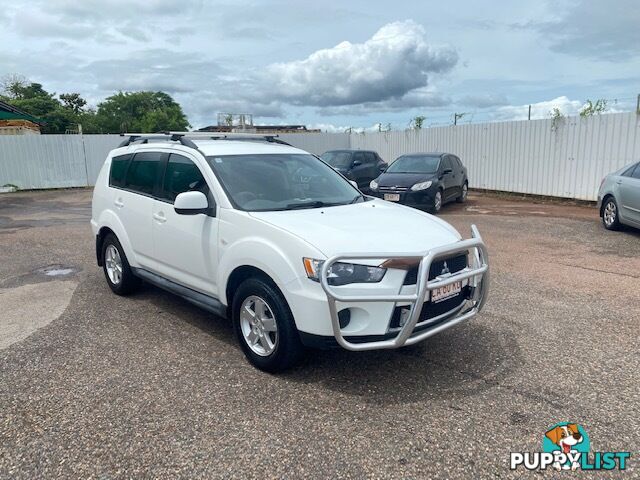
(570, 439)
(566, 446)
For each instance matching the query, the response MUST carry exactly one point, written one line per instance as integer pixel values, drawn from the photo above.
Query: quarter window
(118, 170)
(182, 175)
(143, 172)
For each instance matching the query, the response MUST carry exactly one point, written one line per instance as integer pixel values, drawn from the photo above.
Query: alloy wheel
(610, 213)
(258, 324)
(113, 264)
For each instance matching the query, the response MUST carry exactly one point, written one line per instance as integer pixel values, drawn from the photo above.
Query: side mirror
(446, 171)
(191, 203)
(355, 184)
(356, 163)
(383, 167)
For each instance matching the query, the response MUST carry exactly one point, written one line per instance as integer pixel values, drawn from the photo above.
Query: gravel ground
(97, 386)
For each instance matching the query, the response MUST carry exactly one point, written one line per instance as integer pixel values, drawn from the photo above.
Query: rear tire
(265, 327)
(463, 194)
(609, 213)
(116, 267)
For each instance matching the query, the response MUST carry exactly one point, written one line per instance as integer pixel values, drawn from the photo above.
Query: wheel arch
(606, 197)
(110, 223)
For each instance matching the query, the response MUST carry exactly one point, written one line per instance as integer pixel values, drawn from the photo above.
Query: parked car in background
(361, 166)
(619, 198)
(423, 180)
(270, 236)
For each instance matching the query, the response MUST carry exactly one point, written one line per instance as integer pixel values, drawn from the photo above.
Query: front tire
(265, 327)
(610, 218)
(437, 202)
(116, 267)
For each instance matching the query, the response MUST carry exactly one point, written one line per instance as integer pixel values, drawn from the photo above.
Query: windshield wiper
(313, 204)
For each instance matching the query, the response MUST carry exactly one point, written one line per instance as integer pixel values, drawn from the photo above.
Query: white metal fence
(58, 161)
(566, 159)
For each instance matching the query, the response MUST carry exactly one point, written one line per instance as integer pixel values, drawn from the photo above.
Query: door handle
(619, 182)
(159, 217)
(118, 203)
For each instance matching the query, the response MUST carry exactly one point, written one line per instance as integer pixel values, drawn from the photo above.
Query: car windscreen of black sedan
(423, 180)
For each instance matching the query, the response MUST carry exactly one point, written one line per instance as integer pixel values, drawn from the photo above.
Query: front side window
(143, 172)
(182, 175)
(414, 164)
(636, 172)
(118, 170)
(337, 159)
(264, 182)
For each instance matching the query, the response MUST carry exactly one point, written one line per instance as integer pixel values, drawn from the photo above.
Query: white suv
(251, 228)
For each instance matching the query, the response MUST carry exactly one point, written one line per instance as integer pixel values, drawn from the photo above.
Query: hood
(372, 226)
(404, 179)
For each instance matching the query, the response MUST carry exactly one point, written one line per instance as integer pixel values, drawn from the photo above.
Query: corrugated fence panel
(96, 148)
(317, 143)
(565, 159)
(42, 161)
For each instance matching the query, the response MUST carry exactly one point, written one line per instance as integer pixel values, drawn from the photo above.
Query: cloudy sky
(329, 63)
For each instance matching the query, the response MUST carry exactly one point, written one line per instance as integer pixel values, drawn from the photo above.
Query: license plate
(448, 291)
(392, 197)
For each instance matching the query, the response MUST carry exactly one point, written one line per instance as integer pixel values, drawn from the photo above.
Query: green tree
(145, 112)
(73, 102)
(416, 123)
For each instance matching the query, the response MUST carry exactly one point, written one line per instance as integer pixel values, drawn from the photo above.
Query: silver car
(619, 198)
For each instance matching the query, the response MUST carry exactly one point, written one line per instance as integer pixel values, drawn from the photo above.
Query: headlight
(421, 186)
(344, 273)
(373, 185)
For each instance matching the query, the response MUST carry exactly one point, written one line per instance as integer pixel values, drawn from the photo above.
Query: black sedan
(361, 166)
(423, 180)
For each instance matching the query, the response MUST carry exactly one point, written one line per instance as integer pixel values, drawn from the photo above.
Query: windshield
(263, 182)
(337, 159)
(414, 164)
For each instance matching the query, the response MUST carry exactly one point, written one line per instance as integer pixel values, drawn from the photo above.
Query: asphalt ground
(97, 386)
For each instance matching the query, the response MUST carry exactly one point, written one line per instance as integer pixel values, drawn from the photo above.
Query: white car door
(185, 246)
(133, 202)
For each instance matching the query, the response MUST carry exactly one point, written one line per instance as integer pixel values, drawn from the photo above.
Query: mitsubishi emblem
(445, 269)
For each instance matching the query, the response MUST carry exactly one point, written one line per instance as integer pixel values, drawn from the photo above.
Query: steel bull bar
(477, 273)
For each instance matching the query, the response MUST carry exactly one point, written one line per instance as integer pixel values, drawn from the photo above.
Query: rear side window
(118, 170)
(182, 175)
(457, 161)
(143, 172)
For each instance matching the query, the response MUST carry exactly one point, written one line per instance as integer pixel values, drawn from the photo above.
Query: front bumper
(422, 199)
(414, 330)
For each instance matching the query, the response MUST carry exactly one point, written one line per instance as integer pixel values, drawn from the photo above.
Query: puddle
(56, 270)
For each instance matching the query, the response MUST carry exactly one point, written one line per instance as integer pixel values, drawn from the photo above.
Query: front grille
(431, 310)
(393, 189)
(454, 264)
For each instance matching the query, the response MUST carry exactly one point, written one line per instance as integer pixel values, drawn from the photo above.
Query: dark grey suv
(361, 166)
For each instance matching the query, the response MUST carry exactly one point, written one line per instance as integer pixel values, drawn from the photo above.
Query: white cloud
(392, 63)
(539, 110)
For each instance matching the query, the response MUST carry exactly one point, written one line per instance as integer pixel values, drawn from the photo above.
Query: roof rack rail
(184, 137)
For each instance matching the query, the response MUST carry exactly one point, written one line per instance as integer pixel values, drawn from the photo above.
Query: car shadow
(463, 361)
(460, 362)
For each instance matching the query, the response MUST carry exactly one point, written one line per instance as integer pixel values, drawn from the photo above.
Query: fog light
(344, 317)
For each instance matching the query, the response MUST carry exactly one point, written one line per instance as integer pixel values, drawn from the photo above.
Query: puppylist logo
(566, 446)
